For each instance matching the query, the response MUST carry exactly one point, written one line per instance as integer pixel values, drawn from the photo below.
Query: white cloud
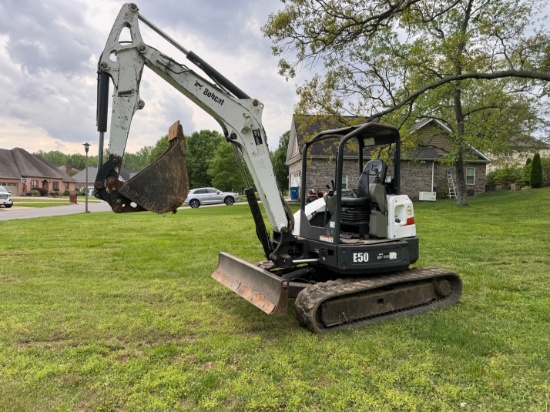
(49, 52)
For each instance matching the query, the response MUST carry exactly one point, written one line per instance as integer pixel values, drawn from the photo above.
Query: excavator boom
(238, 115)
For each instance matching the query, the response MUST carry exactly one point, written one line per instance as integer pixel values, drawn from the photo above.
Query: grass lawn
(106, 312)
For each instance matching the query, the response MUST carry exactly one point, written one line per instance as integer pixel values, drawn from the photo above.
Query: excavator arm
(239, 116)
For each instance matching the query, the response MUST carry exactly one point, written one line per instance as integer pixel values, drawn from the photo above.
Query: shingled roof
(306, 127)
(435, 143)
(433, 147)
(18, 163)
(80, 177)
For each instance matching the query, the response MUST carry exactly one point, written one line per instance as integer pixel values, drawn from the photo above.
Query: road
(18, 212)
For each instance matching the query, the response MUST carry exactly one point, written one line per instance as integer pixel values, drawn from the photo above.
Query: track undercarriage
(350, 303)
(331, 305)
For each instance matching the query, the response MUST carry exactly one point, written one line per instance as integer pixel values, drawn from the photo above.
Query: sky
(49, 51)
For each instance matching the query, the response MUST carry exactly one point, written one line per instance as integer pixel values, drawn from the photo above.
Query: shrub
(536, 171)
(42, 190)
(545, 162)
(442, 189)
(506, 175)
(527, 171)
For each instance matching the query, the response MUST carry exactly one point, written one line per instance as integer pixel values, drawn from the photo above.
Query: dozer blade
(263, 289)
(163, 186)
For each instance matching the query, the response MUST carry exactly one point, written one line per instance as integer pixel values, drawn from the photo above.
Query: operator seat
(374, 171)
(378, 223)
(356, 210)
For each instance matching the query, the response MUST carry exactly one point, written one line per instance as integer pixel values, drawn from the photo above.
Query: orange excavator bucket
(163, 186)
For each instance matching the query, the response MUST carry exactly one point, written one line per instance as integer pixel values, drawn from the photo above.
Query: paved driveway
(16, 212)
(70, 209)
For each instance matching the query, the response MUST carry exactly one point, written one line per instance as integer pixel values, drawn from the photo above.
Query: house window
(34, 184)
(344, 182)
(56, 186)
(470, 175)
(295, 179)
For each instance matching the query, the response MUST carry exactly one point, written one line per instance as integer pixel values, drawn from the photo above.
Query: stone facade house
(21, 171)
(422, 169)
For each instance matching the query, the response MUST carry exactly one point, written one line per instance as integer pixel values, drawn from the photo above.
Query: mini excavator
(344, 258)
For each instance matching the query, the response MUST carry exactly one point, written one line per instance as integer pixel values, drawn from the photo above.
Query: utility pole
(86, 148)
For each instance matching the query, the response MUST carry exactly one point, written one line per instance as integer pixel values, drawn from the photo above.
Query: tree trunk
(461, 192)
(460, 185)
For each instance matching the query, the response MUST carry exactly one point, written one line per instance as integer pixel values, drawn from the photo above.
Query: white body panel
(400, 209)
(317, 206)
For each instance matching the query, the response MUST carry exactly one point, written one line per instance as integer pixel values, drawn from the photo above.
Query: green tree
(506, 175)
(545, 162)
(201, 149)
(158, 149)
(76, 160)
(278, 158)
(536, 171)
(138, 160)
(527, 171)
(397, 61)
(224, 170)
(55, 157)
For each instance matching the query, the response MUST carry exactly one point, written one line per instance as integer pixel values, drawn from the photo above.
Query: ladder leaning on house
(451, 183)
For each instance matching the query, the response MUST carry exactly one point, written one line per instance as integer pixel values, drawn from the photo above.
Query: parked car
(5, 197)
(210, 196)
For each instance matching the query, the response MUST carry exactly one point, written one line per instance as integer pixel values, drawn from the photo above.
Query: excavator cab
(356, 205)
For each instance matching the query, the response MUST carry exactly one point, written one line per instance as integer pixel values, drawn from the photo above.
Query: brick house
(421, 167)
(21, 171)
(80, 177)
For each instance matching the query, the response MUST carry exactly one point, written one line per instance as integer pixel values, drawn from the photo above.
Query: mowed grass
(107, 312)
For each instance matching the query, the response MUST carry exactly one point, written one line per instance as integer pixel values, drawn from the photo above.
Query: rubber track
(310, 299)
